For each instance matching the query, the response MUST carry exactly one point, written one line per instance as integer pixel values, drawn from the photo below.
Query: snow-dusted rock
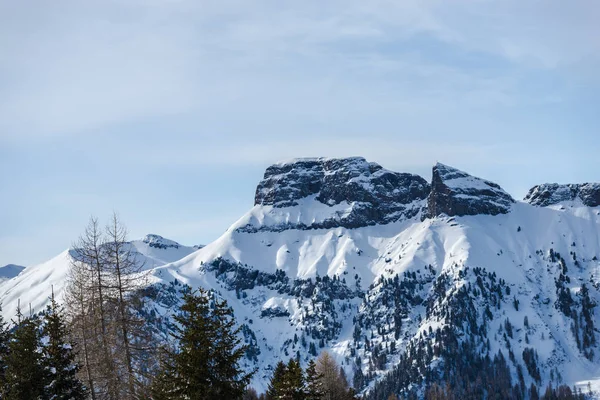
(553, 193)
(159, 242)
(356, 192)
(456, 193)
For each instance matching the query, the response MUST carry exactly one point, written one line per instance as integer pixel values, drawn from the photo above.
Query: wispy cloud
(71, 67)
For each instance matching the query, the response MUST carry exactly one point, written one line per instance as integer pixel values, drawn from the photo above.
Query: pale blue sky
(170, 110)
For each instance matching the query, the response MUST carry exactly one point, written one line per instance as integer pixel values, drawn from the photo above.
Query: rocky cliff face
(552, 193)
(372, 194)
(456, 193)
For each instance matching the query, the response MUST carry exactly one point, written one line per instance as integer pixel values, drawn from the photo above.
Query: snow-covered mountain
(9, 271)
(33, 286)
(378, 266)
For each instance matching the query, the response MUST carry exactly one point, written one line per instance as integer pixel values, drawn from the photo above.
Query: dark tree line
(37, 360)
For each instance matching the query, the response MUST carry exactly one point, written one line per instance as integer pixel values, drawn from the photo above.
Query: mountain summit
(350, 192)
(456, 193)
(325, 193)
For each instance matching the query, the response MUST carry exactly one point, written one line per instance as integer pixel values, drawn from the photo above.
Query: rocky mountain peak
(553, 193)
(372, 194)
(337, 180)
(456, 193)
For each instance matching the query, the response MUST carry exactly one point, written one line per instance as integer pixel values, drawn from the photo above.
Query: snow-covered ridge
(274, 281)
(34, 284)
(296, 160)
(553, 193)
(352, 192)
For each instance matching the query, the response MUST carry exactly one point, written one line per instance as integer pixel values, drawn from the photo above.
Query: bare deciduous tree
(104, 282)
(334, 384)
(127, 278)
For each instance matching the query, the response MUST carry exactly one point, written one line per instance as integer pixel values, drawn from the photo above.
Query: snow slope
(447, 244)
(33, 286)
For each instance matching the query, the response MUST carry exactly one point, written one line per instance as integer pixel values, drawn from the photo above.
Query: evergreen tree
(229, 380)
(276, 386)
(533, 392)
(314, 387)
(5, 337)
(26, 376)
(59, 359)
(294, 381)
(205, 366)
(251, 394)
(287, 382)
(163, 387)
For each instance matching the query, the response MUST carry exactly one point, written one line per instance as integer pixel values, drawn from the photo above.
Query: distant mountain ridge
(10, 271)
(379, 267)
(34, 284)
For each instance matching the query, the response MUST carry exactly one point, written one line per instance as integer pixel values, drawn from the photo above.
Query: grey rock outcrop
(553, 193)
(456, 193)
(374, 195)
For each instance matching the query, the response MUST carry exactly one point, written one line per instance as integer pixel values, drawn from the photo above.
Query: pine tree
(26, 376)
(294, 381)
(59, 358)
(251, 394)
(229, 380)
(276, 385)
(314, 387)
(205, 366)
(5, 337)
(533, 392)
(163, 386)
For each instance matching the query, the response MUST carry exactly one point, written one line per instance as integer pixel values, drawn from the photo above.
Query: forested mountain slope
(397, 277)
